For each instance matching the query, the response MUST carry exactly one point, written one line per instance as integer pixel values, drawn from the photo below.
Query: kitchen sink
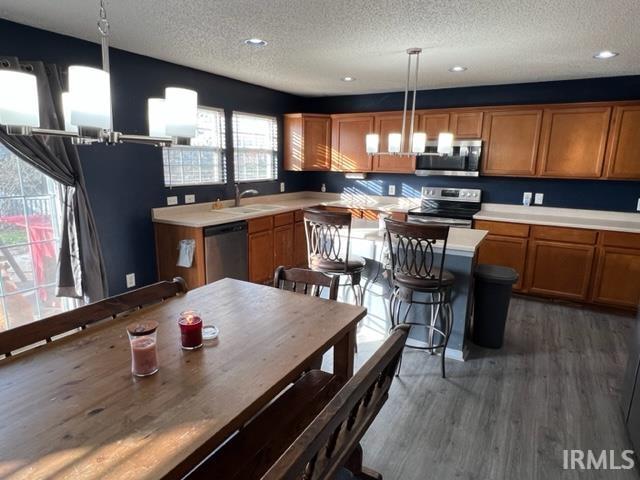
(264, 208)
(249, 209)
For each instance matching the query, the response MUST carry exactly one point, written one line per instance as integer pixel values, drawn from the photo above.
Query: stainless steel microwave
(463, 160)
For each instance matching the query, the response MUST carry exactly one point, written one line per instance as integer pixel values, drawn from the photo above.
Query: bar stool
(328, 249)
(414, 270)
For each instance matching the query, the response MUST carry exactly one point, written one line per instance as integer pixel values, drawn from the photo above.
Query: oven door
(450, 222)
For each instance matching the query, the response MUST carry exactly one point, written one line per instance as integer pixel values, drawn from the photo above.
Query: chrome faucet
(239, 194)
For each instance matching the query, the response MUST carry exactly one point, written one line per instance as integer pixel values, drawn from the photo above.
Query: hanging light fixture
(417, 140)
(87, 105)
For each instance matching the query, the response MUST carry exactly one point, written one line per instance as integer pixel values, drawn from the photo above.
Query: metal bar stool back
(415, 268)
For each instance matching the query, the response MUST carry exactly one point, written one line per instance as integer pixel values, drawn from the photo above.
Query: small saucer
(210, 332)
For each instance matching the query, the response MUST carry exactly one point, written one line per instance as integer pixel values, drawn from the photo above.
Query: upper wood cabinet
(433, 124)
(307, 142)
(573, 141)
(384, 125)
(348, 151)
(623, 152)
(511, 142)
(466, 124)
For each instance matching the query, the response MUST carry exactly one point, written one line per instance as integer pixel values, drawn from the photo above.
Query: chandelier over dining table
(87, 105)
(417, 140)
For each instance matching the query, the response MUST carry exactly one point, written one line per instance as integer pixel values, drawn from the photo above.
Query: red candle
(190, 330)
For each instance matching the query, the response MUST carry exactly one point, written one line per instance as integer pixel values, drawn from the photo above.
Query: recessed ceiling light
(347, 79)
(255, 42)
(604, 54)
(457, 69)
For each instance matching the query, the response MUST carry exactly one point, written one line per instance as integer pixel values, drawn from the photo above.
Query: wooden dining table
(72, 409)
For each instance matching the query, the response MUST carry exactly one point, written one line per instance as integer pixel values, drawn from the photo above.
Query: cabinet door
(466, 124)
(384, 125)
(433, 124)
(512, 139)
(283, 246)
(505, 251)
(317, 143)
(573, 142)
(261, 257)
(299, 245)
(616, 281)
(559, 269)
(623, 155)
(349, 152)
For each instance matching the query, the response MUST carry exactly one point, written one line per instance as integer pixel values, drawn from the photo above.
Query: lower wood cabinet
(283, 245)
(167, 238)
(559, 269)
(261, 256)
(505, 251)
(617, 277)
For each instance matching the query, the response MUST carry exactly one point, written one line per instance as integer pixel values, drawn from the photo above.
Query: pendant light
(87, 105)
(417, 140)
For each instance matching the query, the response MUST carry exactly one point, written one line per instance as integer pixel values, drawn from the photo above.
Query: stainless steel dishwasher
(225, 251)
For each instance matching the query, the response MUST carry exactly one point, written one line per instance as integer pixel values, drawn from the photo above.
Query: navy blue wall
(598, 195)
(126, 181)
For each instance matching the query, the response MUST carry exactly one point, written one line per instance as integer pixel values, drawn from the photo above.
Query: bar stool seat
(353, 265)
(424, 284)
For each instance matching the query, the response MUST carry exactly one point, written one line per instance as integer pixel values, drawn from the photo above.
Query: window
(203, 162)
(29, 243)
(255, 146)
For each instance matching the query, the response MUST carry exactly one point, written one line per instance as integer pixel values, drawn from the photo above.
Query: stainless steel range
(454, 207)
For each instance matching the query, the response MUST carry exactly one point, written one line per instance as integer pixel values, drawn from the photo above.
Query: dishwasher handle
(225, 228)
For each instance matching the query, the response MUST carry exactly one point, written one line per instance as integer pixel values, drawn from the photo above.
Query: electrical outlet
(172, 200)
(526, 199)
(392, 189)
(281, 187)
(190, 198)
(539, 199)
(131, 280)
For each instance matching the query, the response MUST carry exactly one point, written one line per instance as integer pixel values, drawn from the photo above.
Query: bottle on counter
(323, 188)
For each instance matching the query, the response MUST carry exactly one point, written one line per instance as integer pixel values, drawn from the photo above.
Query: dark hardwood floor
(508, 414)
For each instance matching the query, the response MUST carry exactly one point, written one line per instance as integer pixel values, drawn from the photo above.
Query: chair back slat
(307, 282)
(329, 441)
(411, 246)
(47, 328)
(325, 238)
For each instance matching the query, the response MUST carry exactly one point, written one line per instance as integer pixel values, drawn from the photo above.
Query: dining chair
(308, 282)
(49, 328)
(328, 241)
(414, 269)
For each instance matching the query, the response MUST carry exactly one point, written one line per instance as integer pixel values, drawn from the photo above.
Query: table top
(72, 409)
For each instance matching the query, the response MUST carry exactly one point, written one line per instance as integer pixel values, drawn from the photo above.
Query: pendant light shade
(66, 110)
(395, 142)
(372, 141)
(19, 99)
(157, 117)
(90, 91)
(181, 110)
(419, 142)
(445, 143)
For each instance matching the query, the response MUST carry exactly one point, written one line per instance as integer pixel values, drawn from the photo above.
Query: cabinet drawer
(298, 215)
(503, 228)
(620, 239)
(282, 219)
(562, 234)
(260, 224)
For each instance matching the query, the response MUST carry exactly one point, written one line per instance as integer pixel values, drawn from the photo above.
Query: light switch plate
(172, 200)
(281, 187)
(190, 198)
(638, 206)
(526, 199)
(539, 199)
(131, 280)
(392, 189)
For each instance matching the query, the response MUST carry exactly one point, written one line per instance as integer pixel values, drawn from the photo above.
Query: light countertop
(561, 217)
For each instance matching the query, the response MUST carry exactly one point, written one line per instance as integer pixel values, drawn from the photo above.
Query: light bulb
(372, 141)
(181, 110)
(419, 142)
(395, 142)
(90, 98)
(445, 143)
(157, 117)
(19, 99)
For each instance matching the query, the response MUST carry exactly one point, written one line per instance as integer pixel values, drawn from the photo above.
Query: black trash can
(493, 284)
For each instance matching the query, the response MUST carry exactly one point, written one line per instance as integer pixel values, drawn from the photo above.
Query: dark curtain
(81, 272)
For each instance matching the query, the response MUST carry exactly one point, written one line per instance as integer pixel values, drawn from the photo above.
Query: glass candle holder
(144, 351)
(190, 324)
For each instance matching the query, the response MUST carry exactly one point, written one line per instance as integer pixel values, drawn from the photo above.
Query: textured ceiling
(313, 43)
